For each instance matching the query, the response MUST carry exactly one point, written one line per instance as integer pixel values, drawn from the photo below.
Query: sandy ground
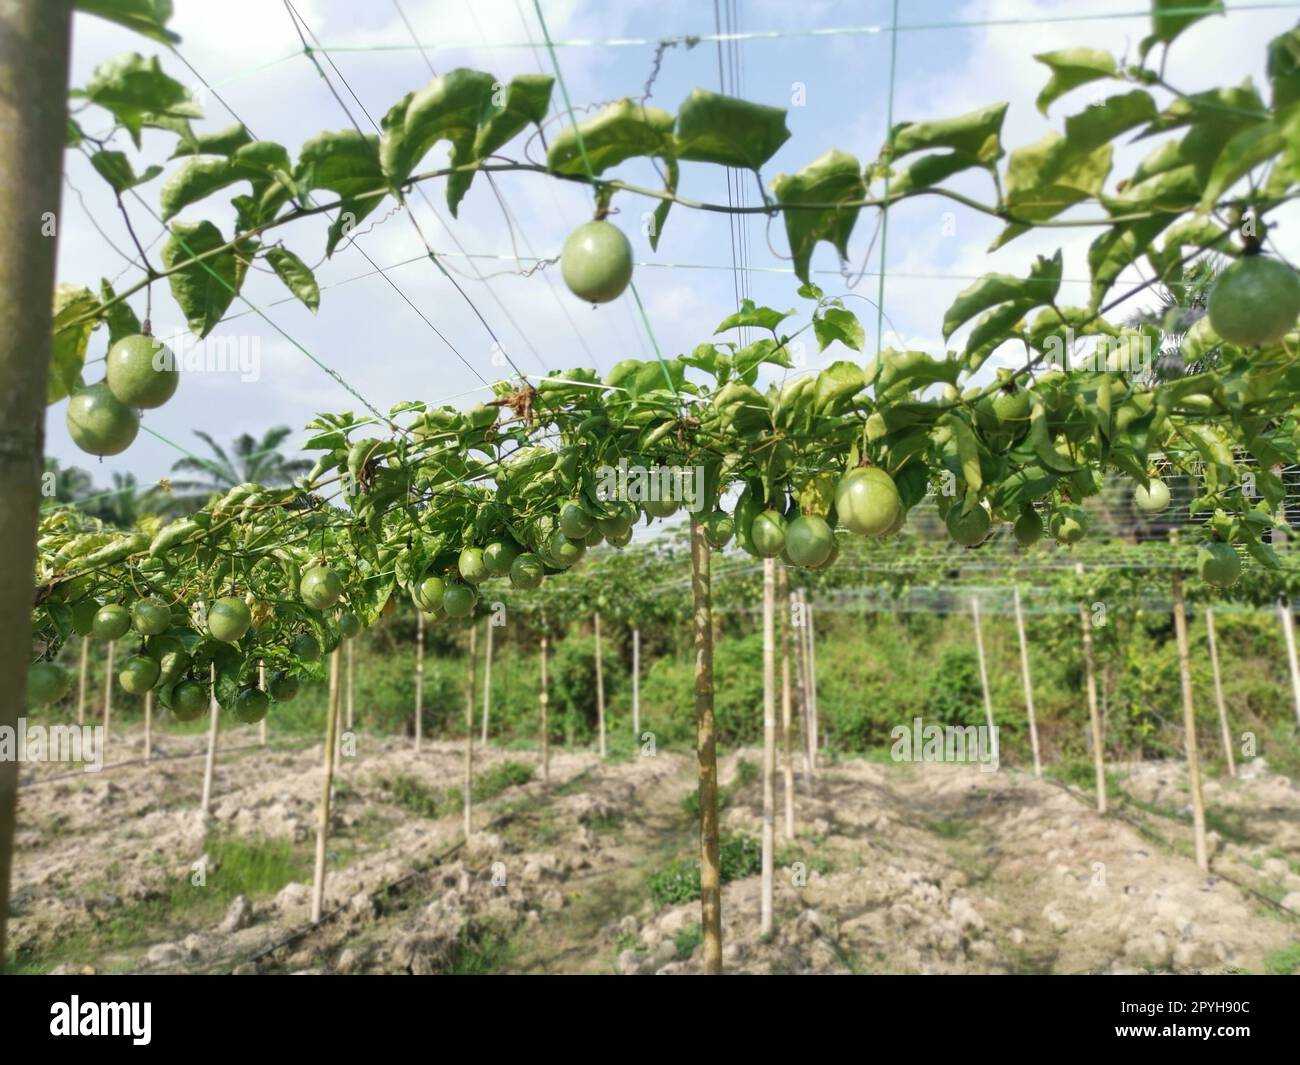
(893, 868)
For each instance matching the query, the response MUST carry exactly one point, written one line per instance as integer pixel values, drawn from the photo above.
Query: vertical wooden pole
(787, 720)
(814, 724)
(1094, 716)
(469, 731)
(261, 685)
(769, 743)
(108, 691)
(1288, 630)
(327, 787)
(984, 674)
(1218, 691)
(543, 701)
(1029, 684)
(487, 675)
(419, 678)
(636, 685)
(34, 47)
(83, 669)
(214, 723)
(148, 726)
(600, 690)
(707, 753)
(1189, 726)
(801, 677)
(351, 649)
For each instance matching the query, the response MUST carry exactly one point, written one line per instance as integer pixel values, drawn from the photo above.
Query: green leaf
(1047, 177)
(122, 321)
(992, 289)
(838, 324)
(346, 163)
(264, 164)
(1170, 17)
(756, 317)
(296, 275)
(1118, 248)
(834, 177)
(68, 353)
(968, 452)
(223, 142)
(204, 289)
(838, 382)
(1072, 67)
(930, 170)
(728, 131)
(116, 169)
(623, 130)
(1284, 68)
(509, 109)
(976, 134)
(135, 89)
(749, 358)
(661, 212)
(146, 17)
(1252, 147)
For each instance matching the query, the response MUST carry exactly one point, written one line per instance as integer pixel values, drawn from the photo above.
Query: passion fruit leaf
(835, 178)
(728, 131)
(68, 352)
(346, 163)
(296, 275)
(622, 130)
(204, 289)
(1072, 67)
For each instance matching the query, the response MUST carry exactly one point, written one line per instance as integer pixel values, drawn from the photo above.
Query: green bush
(678, 882)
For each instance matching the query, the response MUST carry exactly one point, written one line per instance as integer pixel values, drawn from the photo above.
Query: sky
(950, 58)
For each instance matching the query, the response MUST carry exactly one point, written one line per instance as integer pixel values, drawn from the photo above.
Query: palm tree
(249, 459)
(70, 483)
(124, 504)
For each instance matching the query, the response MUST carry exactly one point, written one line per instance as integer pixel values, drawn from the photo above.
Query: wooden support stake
(148, 725)
(543, 701)
(814, 723)
(108, 691)
(600, 690)
(636, 685)
(487, 675)
(351, 642)
(984, 675)
(1189, 726)
(261, 685)
(707, 753)
(1218, 691)
(801, 677)
(469, 732)
(1029, 684)
(327, 787)
(769, 743)
(787, 718)
(1288, 630)
(419, 678)
(81, 680)
(214, 723)
(1094, 715)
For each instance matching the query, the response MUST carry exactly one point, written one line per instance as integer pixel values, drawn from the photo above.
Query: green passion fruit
(139, 673)
(470, 565)
(1255, 301)
(809, 541)
(171, 656)
(189, 700)
(499, 556)
(228, 619)
(458, 600)
(47, 682)
(866, 501)
(1028, 528)
(111, 622)
(563, 551)
(283, 686)
(251, 705)
(1153, 498)
(100, 423)
(596, 262)
(427, 595)
(768, 533)
(1069, 525)
(718, 529)
(141, 371)
(305, 647)
(151, 616)
(621, 520)
(527, 571)
(320, 588)
(575, 522)
(661, 508)
(619, 539)
(968, 529)
(349, 625)
(1218, 564)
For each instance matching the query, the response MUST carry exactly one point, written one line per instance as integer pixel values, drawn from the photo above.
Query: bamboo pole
(1189, 726)
(787, 754)
(108, 691)
(769, 743)
(327, 787)
(543, 701)
(351, 648)
(261, 685)
(801, 680)
(1094, 717)
(214, 723)
(1288, 630)
(984, 674)
(487, 675)
(34, 47)
(1211, 635)
(83, 669)
(469, 732)
(706, 752)
(600, 689)
(1029, 684)
(148, 725)
(814, 718)
(419, 678)
(636, 685)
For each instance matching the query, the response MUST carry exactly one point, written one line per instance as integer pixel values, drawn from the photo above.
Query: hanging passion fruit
(499, 556)
(1028, 528)
(1254, 302)
(459, 600)
(139, 673)
(1153, 498)
(866, 501)
(228, 619)
(100, 423)
(768, 533)
(151, 616)
(141, 371)
(47, 682)
(527, 571)
(1218, 564)
(251, 705)
(320, 588)
(189, 700)
(471, 566)
(111, 622)
(596, 262)
(968, 529)
(718, 529)
(809, 541)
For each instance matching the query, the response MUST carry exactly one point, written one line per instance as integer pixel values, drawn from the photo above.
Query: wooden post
(419, 677)
(813, 722)
(261, 686)
(1189, 726)
(1218, 691)
(636, 685)
(1288, 630)
(1029, 684)
(1094, 717)
(34, 46)
(769, 743)
(707, 753)
(487, 675)
(543, 701)
(108, 692)
(984, 674)
(214, 722)
(148, 725)
(469, 731)
(327, 787)
(801, 678)
(81, 680)
(600, 690)
(351, 648)
(787, 754)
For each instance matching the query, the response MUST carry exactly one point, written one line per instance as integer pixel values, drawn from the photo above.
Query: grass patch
(412, 794)
(679, 881)
(946, 828)
(687, 939)
(1283, 962)
(482, 950)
